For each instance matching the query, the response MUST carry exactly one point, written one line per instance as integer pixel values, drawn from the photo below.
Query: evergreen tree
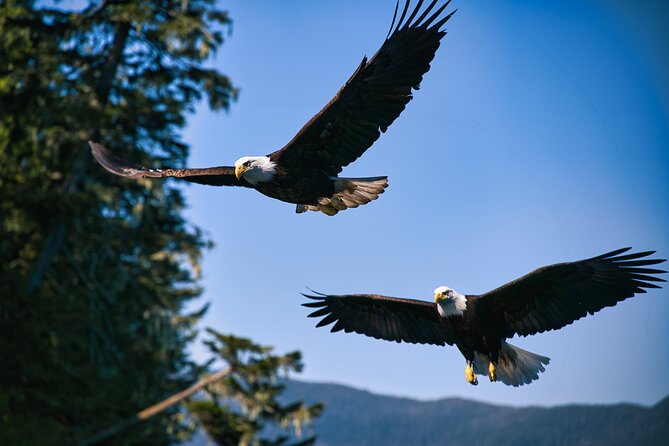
(96, 270)
(245, 407)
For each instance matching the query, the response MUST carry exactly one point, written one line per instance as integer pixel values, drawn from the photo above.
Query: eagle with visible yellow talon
(306, 170)
(546, 299)
(491, 372)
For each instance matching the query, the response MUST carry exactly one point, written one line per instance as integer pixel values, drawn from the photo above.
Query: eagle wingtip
(315, 292)
(105, 158)
(617, 252)
(323, 322)
(96, 148)
(309, 296)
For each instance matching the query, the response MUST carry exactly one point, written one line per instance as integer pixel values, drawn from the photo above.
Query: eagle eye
(247, 163)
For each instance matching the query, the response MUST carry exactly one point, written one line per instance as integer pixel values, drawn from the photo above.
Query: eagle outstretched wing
(372, 98)
(381, 317)
(213, 176)
(554, 296)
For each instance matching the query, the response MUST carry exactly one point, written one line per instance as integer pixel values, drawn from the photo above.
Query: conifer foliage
(96, 270)
(245, 407)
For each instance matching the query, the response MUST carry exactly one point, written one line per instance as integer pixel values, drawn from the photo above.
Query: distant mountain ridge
(358, 417)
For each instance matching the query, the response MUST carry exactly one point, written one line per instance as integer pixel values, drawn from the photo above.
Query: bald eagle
(305, 171)
(546, 299)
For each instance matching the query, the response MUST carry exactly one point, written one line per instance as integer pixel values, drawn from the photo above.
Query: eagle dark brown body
(297, 187)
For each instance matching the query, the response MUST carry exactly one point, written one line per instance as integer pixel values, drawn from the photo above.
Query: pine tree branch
(94, 9)
(155, 409)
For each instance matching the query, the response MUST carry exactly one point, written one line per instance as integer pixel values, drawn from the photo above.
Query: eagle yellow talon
(470, 375)
(491, 372)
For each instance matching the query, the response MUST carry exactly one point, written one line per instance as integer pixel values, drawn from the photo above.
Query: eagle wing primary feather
(371, 99)
(213, 176)
(381, 317)
(554, 296)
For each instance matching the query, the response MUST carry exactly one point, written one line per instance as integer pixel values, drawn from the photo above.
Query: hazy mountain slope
(362, 418)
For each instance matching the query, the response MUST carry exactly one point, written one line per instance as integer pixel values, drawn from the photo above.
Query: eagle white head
(449, 302)
(255, 169)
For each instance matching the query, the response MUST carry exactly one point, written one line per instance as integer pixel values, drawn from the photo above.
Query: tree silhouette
(96, 270)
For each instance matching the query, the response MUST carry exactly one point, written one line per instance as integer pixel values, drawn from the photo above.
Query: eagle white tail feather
(350, 193)
(514, 366)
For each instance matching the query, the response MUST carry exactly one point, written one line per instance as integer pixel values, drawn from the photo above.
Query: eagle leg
(470, 375)
(491, 372)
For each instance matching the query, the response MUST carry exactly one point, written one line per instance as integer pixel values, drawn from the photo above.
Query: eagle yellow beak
(239, 171)
(437, 297)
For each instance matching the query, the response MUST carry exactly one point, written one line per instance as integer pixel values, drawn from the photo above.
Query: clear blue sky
(540, 135)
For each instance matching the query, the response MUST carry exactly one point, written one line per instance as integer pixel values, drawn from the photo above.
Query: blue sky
(539, 135)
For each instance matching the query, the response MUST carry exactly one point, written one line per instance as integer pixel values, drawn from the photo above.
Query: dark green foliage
(96, 270)
(245, 406)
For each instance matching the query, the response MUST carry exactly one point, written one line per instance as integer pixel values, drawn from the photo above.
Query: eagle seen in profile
(305, 171)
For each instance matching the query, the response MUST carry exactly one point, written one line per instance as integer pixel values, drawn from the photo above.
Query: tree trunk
(56, 238)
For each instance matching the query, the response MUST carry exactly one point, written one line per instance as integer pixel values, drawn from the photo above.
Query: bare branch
(155, 409)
